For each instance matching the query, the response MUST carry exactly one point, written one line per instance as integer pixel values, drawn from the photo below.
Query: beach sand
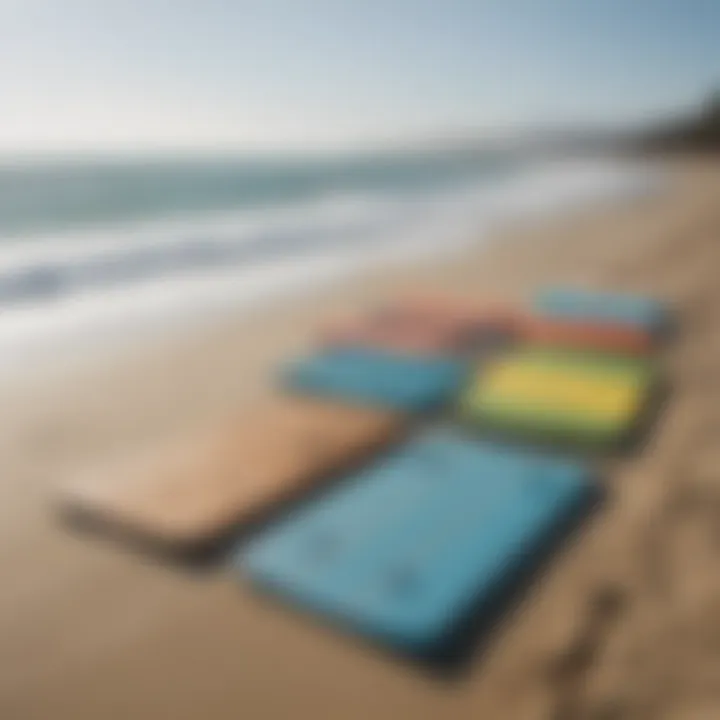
(624, 624)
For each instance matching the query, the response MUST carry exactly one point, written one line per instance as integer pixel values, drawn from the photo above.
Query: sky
(106, 75)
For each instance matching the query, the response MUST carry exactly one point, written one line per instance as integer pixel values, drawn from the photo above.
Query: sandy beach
(625, 623)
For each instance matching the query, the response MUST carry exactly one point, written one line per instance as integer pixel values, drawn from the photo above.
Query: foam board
(410, 548)
(561, 395)
(378, 378)
(424, 323)
(579, 334)
(625, 310)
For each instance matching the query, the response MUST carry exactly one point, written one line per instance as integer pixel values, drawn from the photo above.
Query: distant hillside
(698, 133)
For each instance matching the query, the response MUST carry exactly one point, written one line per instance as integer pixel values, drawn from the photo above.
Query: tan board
(192, 491)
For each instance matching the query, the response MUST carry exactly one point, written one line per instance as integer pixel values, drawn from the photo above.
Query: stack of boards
(398, 535)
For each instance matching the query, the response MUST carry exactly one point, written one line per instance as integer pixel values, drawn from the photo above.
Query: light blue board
(401, 382)
(406, 549)
(575, 304)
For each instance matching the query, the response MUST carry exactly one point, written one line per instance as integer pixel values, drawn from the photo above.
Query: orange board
(584, 336)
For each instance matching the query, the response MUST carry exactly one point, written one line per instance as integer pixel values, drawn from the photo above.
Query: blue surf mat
(409, 548)
(400, 382)
(575, 304)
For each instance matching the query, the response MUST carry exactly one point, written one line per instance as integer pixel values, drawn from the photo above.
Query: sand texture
(624, 624)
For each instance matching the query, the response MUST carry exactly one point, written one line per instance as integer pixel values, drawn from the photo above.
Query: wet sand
(624, 624)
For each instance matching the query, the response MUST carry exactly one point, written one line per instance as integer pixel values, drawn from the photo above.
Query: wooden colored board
(410, 547)
(378, 378)
(196, 489)
(636, 312)
(569, 396)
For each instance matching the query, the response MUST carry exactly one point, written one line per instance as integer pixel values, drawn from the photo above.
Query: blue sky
(271, 74)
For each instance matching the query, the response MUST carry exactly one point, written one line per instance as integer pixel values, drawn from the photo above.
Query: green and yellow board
(561, 395)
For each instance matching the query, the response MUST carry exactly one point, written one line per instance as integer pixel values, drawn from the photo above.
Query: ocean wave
(48, 267)
(139, 274)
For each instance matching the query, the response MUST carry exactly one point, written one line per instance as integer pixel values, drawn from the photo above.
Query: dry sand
(625, 624)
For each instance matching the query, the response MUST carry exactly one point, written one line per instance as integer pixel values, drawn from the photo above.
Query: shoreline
(98, 288)
(89, 631)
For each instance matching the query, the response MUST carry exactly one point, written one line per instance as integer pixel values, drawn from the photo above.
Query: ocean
(98, 249)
